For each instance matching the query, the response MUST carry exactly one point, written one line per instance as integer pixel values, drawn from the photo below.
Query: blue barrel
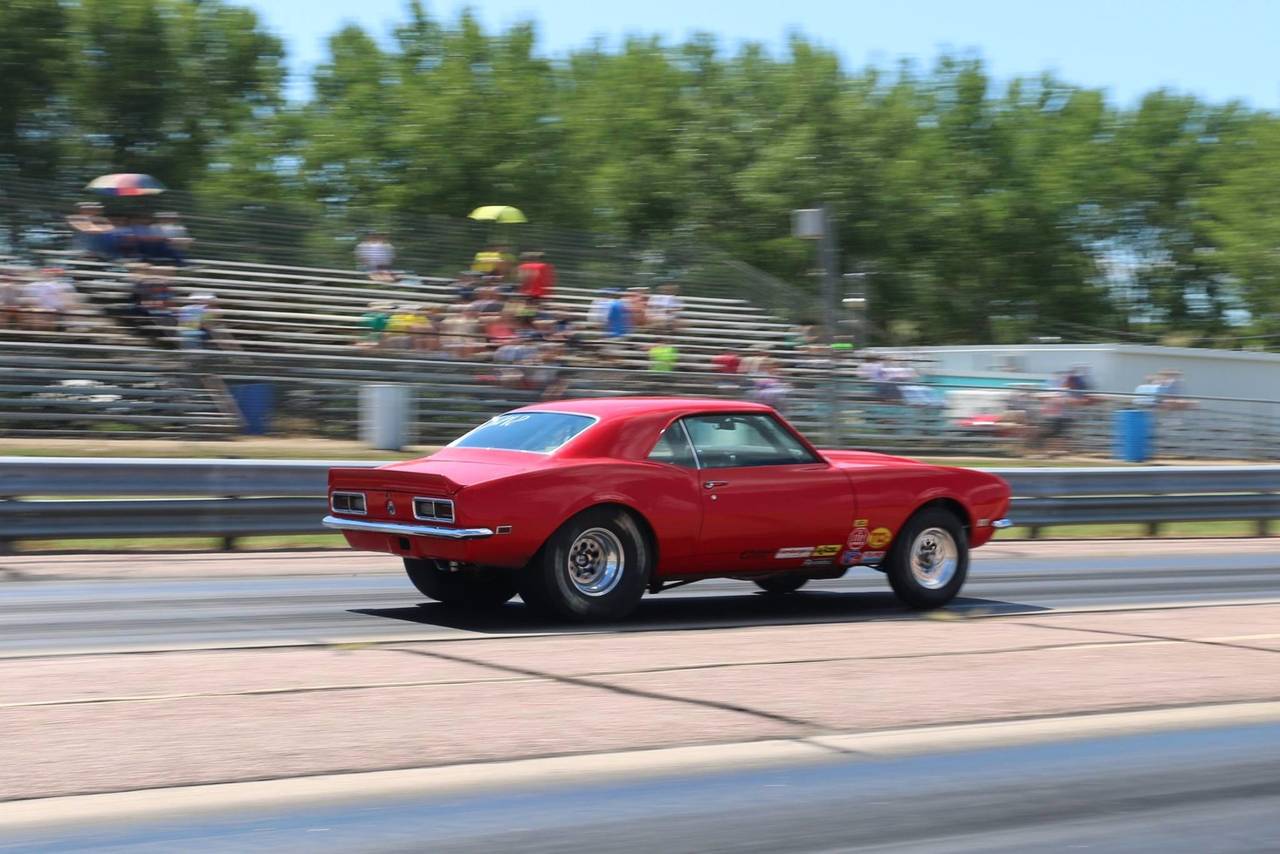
(1133, 435)
(255, 401)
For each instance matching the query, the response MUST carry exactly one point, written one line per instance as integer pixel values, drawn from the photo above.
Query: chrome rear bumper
(401, 529)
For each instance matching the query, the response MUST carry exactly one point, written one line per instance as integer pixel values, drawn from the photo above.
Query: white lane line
(454, 780)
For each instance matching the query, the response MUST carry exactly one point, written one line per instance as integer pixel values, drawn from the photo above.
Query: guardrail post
(1153, 529)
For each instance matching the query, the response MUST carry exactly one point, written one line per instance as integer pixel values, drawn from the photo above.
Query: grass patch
(1207, 530)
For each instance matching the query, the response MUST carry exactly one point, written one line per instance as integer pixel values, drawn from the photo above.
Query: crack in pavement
(1140, 636)
(513, 678)
(814, 727)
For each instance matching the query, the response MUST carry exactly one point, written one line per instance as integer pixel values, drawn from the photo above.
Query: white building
(1114, 368)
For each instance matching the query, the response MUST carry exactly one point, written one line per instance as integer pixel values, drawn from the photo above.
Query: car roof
(607, 408)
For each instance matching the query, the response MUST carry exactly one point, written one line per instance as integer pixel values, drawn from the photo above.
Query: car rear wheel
(473, 587)
(786, 582)
(596, 567)
(929, 560)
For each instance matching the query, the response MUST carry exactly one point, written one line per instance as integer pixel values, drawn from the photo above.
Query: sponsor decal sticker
(857, 538)
(859, 523)
(872, 557)
(793, 553)
(818, 561)
(852, 557)
(879, 538)
(826, 551)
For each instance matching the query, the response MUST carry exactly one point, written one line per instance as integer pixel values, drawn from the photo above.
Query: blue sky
(1219, 49)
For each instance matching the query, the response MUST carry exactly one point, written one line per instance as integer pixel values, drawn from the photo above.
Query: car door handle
(712, 484)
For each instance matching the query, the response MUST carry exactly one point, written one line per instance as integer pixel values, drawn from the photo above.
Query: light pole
(815, 224)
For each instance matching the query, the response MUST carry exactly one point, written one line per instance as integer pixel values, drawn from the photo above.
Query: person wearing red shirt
(537, 276)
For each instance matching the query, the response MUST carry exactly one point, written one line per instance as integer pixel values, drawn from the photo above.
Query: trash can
(1133, 435)
(386, 416)
(255, 402)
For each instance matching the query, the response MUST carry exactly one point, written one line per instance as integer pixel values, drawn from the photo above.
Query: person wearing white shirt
(665, 306)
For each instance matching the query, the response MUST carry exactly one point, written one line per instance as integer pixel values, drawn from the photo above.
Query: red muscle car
(584, 505)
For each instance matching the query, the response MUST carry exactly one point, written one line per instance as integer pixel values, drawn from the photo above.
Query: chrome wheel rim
(934, 558)
(595, 562)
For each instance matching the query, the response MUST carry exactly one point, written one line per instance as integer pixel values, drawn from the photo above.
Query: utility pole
(815, 224)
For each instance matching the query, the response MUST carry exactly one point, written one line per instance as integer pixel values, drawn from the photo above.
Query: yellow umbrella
(498, 213)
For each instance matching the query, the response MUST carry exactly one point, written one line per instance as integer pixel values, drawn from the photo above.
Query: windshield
(537, 432)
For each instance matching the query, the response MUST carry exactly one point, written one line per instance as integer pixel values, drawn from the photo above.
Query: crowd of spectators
(502, 312)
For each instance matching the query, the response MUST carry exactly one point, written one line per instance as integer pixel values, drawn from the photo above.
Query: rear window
(537, 432)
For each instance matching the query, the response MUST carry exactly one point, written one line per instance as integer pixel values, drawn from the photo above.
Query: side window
(673, 448)
(726, 441)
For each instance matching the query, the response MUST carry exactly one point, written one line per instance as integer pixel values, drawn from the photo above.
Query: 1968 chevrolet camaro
(584, 505)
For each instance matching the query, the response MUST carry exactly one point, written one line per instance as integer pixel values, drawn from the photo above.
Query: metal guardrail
(236, 498)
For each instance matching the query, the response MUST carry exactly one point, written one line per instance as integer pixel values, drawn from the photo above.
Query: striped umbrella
(126, 184)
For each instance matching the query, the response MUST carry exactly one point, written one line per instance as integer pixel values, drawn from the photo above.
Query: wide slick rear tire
(595, 567)
(929, 560)
(472, 587)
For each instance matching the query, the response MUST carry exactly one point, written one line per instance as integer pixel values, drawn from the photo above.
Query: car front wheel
(596, 567)
(472, 587)
(929, 560)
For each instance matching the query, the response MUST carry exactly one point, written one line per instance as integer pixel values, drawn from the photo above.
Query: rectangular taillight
(433, 509)
(348, 502)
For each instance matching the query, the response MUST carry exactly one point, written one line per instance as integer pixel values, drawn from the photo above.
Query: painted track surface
(120, 674)
(95, 603)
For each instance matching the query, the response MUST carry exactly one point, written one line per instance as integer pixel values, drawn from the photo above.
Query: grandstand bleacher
(297, 329)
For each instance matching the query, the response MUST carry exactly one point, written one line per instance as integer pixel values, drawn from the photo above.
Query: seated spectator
(767, 386)
(94, 233)
(754, 363)
(663, 357)
(488, 300)
(465, 285)
(494, 260)
(374, 322)
(637, 305)
(174, 234)
(1148, 392)
(617, 318)
(11, 300)
(727, 362)
(499, 327)
(151, 298)
(598, 312)
(150, 243)
(537, 276)
(376, 256)
(547, 372)
(196, 322)
(1172, 391)
(665, 307)
(428, 338)
(459, 332)
(403, 324)
(51, 300)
